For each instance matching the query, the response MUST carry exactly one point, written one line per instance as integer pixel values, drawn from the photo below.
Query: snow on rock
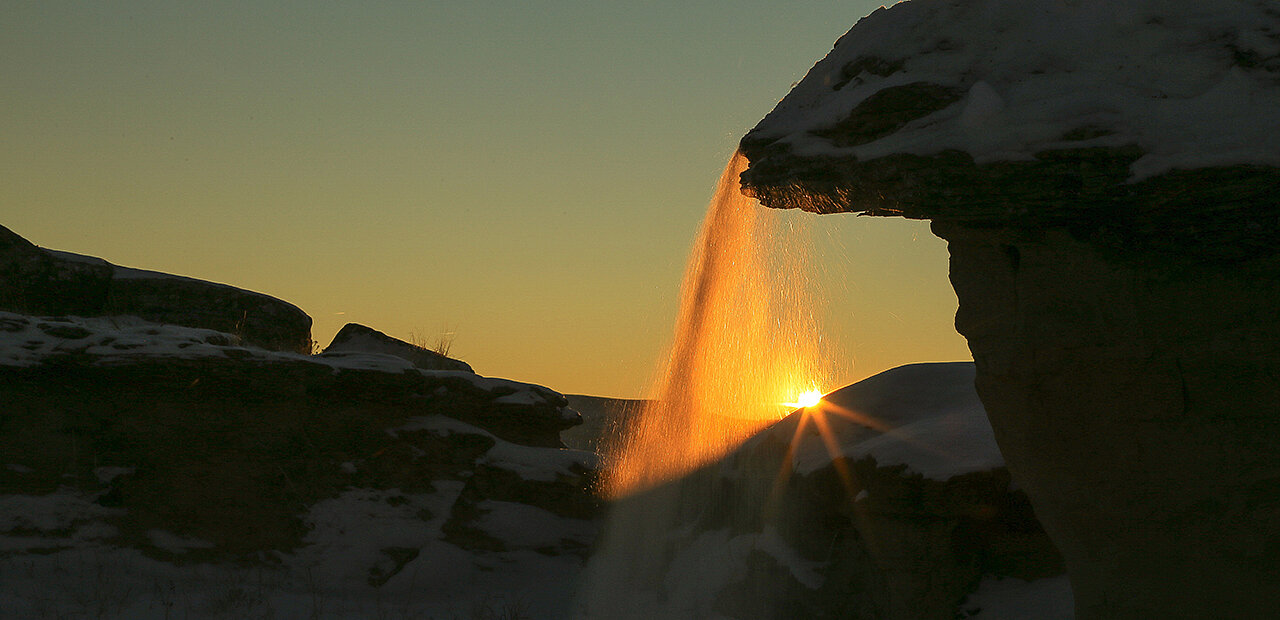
(350, 533)
(59, 519)
(130, 273)
(354, 337)
(1015, 599)
(1190, 83)
(173, 543)
(55, 512)
(529, 462)
(39, 281)
(522, 525)
(924, 416)
(26, 341)
(380, 362)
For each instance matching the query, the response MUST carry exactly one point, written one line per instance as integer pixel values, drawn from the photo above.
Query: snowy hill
(890, 499)
(924, 416)
(1187, 82)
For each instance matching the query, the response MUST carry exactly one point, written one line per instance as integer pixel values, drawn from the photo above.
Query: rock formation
(1106, 175)
(349, 472)
(43, 282)
(357, 337)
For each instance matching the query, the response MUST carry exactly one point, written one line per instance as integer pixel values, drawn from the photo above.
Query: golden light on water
(747, 332)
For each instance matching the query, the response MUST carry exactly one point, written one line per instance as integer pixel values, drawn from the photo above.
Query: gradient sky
(526, 175)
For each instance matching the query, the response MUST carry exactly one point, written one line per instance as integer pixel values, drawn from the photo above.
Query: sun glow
(748, 282)
(805, 400)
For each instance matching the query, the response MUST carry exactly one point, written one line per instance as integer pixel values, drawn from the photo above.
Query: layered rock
(217, 436)
(43, 282)
(1110, 206)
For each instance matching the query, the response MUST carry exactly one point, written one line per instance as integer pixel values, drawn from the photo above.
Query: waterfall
(746, 340)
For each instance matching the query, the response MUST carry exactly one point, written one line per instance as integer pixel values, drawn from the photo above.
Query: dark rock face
(907, 548)
(1121, 309)
(235, 449)
(1137, 406)
(34, 281)
(1125, 342)
(255, 318)
(1225, 213)
(356, 337)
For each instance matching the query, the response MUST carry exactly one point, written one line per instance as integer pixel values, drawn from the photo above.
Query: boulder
(1110, 209)
(357, 337)
(45, 282)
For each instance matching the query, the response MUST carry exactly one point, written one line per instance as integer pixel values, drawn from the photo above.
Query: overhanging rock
(1106, 175)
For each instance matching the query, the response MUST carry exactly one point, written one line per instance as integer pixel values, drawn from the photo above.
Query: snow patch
(106, 474)
(1015, 599)
(56, 512)
(925, 416)
(521, 525)
(173, 543)
(528, 462)
(27, 341)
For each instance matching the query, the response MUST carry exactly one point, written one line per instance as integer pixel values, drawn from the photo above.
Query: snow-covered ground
(383, 553)
(924, 416)
(368, 553)
(1015, 599)
(662, 558)
(1192, 83)
(61, 568)
(26, 341)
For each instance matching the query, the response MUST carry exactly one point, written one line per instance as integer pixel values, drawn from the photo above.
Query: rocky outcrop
(1113, 230)
(42, 282)
(349, 472)
(357, 337)
(32, 280)
(1138, 407)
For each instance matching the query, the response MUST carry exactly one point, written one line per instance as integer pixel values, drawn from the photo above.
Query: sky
(523, 178)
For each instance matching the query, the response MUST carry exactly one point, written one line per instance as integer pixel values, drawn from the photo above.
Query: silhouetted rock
(44, 282)
(1110, 207)
(357, 337)
(238, 452)
(35, 282)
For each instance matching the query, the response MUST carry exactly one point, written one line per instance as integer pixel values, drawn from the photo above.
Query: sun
(807, 399)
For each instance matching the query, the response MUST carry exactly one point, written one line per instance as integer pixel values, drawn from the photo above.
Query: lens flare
(806, 400)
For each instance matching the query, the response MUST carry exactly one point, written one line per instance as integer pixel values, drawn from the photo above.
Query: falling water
(746, 340)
